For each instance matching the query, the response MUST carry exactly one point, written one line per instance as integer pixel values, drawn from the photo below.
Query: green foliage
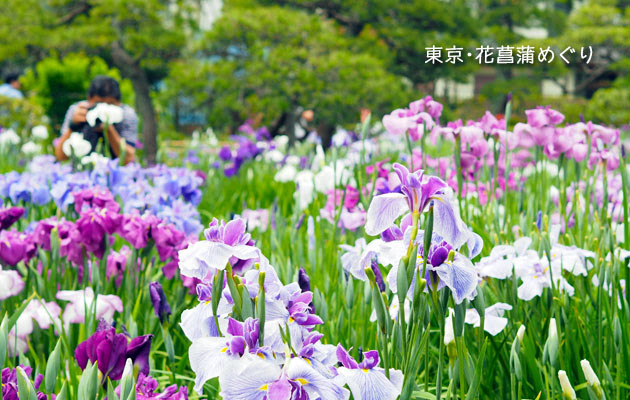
(610, 105)
(270, 60)
(405, 30)
(56, 83)
(21, 115)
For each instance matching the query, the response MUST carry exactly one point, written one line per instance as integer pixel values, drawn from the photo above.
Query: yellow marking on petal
(263, 388)
(223, 350)
(207, 302)
(365, 370)
(302, 381)
(308, 361)
(261, 355)
(291, 319)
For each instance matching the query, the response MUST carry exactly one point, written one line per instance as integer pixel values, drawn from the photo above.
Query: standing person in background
(121, 135)
(11, 87)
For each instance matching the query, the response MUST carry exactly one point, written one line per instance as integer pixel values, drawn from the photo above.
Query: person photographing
(101, 119)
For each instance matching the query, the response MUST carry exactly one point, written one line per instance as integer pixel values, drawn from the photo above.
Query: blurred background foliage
(189, 64)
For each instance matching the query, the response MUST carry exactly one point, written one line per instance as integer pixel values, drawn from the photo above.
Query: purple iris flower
(158, 299)
(14, 247)
(10, 386)
(224, 243)
(262, 134)
(70, 242)
(168, 240)
(93, 226)
(10, 215)
(94, 197)
(135, 229)
(110, 351)
(300, 310)
(225, 154)
(365, 379)
(147, 385)
(418, 191)
(458, 273)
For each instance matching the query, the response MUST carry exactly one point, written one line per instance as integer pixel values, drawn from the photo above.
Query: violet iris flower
(10, 386)
(110, 351)
(147, 385)
(543, 121)
(365, 379)
(209, 356)
(418, 191)
(224, 243)
(13, 247)
(93, 226)
(9, 215)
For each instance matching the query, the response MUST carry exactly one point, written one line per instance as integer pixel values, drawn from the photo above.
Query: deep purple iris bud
(378, 275)
(225, 153)
(623, 150)
(509, 97)
(8, 216)
(582, 118)
(360, 353)
(158, 299)
(303, 280)
(539, 220)
(392, 234)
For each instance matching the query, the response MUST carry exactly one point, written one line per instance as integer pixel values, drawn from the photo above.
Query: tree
(406, 29)
(274, 61)
(139, 37)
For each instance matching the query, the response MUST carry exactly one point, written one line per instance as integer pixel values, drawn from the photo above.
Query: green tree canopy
(273, 61)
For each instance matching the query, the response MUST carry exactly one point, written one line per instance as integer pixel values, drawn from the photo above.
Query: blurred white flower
(106, 113)
(286, 174)
(40, 132)
(77, 145)
(94, 159)
(274, 156)
(281, 141)
(30, 148)
(304, 194)
(9, 137)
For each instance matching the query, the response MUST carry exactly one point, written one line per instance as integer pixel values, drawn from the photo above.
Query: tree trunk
(132, 70)
(144, 105)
